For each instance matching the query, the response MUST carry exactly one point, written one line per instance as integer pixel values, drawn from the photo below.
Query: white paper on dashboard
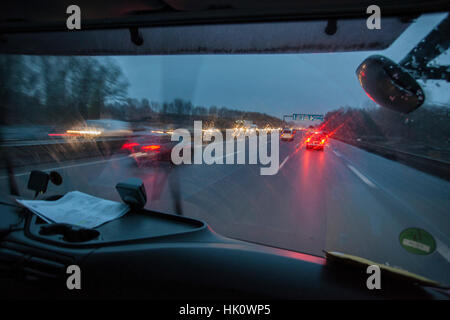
(77, 208)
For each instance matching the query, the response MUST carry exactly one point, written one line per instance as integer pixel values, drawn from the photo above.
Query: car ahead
(151, 148)
(287, 135)
(99, 128)
(316, 141)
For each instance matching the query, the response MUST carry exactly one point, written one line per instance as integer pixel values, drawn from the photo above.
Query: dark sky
(276, 84)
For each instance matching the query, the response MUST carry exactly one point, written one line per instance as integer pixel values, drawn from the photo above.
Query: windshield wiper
(395, 272)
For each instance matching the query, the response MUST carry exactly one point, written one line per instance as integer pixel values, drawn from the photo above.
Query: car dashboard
(153, 255)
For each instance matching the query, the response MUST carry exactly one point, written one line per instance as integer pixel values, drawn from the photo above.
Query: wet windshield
(374, 173)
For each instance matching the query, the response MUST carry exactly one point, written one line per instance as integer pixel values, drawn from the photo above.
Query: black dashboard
(152, 255)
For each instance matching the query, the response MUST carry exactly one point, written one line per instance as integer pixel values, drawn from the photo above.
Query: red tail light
(152, 147)
(130, 145)
(58, 134)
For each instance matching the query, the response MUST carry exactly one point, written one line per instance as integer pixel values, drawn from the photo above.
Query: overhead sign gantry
(304, 116)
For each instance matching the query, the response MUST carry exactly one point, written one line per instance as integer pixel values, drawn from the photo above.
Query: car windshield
(377, 188)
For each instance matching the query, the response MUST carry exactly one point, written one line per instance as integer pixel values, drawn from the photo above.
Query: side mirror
(389, 85)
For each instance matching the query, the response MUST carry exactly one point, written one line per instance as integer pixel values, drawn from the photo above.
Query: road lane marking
(337, 153)
(72, 166)
(361, 176)
(284, 161)
(441, 248)
(296, 149)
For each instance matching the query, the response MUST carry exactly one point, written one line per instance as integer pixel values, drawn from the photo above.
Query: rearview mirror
(389, 85)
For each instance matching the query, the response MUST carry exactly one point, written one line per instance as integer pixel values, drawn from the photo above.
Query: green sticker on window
(417, 241)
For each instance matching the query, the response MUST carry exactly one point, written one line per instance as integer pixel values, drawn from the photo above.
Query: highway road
(342, 199)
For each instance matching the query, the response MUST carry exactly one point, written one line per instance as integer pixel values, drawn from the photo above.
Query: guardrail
(429, 165)
(29, 154)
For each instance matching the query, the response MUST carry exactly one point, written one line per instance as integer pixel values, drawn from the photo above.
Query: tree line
(65, 90)
(42, 89)
(428, 125)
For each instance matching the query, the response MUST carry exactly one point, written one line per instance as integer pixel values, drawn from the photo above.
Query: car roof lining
(202, 27)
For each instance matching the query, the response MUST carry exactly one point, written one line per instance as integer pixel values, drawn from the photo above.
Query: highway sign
(306, 116)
